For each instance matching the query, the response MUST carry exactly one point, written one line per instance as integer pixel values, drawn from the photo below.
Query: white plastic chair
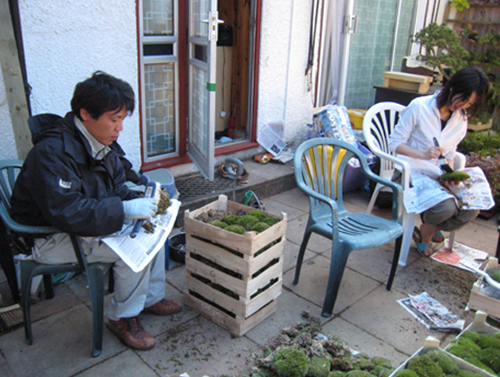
(378, 124)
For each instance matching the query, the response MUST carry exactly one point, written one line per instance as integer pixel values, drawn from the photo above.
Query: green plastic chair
(9, 169)
(319, 169)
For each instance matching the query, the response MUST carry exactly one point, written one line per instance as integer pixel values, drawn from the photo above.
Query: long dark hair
(461, 86)
(102, 93)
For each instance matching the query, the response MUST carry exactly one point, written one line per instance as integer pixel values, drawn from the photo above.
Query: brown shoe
(131, 332)
(165, 307)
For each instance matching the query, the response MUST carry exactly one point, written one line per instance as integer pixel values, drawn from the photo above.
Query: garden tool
(229, 166)
(442, 161)
(151, 190)
(493, 286)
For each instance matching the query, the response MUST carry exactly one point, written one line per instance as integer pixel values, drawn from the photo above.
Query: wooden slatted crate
(233, 279)
(407, 81)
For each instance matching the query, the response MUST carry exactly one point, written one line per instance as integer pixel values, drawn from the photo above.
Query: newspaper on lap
(139, 251)
(474, 193)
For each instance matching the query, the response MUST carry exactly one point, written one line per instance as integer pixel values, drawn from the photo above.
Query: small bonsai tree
(442, 48)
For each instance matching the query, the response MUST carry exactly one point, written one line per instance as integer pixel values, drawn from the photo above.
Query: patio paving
(366, 315)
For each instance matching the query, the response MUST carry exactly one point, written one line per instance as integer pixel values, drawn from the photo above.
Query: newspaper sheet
(467, 255)
(137, 252)
(431, 312)
(475, 192)
(270, 140)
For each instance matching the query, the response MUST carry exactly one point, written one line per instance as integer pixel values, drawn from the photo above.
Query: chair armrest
(459, 161)
(397, 191)
(403, 166)
(317, 195)
(31, 231)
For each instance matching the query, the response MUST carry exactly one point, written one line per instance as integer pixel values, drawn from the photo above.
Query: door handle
(213, 22)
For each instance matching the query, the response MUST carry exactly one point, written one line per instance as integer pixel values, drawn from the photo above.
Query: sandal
(422, 248)
(438, 237)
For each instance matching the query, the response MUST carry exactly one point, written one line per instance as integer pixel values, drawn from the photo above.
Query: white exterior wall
(66, 41)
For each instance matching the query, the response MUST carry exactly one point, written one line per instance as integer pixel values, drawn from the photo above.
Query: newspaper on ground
(431, 312)
(467, 255)
(139, 251)
(270, 140)
(474, 193)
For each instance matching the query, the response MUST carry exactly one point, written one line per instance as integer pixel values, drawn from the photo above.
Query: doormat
(197, 187)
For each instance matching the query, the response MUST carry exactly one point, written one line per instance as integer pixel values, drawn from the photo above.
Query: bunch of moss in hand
(454, 177)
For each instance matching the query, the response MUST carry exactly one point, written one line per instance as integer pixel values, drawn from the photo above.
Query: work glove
(142, 208)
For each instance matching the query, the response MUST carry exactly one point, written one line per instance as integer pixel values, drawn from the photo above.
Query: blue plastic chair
(319, 168)
(9, 169)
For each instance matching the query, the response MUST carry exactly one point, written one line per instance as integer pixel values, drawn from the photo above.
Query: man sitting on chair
(73, 179)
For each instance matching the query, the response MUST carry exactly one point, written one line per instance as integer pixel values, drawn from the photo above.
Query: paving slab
(295, 198)
(291, 255)
(200, 347)
(126, 363)
(380, 315)
(290, 309)
(62, 345)
(277, 208)
(359, 340)
(295, 233)
(313, 282)
(5, 369)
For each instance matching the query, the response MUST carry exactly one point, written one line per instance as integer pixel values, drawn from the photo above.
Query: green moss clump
(359, 373)
(318, 367)
(456, 176)
(235, 229)
(495, 274)
(443, 360)
(258, 214)
(472, 335)
(247, 221)
(487, 341)
(260, 227)
(290, 362)
(231, 219)
(382, 361)
(467, 373)
(424, 366)
(491, 358)
(337, 373)
(471, 348)
(478, 363)
(219, 224)
(271, 220)
(381, 371)
(406, 373)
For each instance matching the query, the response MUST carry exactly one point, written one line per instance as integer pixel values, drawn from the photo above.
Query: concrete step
(265, 180)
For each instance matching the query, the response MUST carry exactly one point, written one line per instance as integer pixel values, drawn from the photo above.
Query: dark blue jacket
(62, 185)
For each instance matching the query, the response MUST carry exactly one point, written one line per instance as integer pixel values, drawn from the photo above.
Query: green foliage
(461, 4)
(424, 366)
(359, 373)
(290, 362)
(479, 141)
(442, 48)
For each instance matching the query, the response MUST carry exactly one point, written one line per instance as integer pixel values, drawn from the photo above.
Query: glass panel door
(382, 35)
(203, 27)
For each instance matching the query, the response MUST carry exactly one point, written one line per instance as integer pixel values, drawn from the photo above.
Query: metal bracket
(351, 24)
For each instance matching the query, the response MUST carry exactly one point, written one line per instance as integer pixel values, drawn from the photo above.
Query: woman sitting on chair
(442, 116)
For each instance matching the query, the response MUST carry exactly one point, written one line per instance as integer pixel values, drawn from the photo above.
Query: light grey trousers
(445, 215)
(133, 291)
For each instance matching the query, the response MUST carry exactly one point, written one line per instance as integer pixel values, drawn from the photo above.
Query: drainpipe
(350, 27)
